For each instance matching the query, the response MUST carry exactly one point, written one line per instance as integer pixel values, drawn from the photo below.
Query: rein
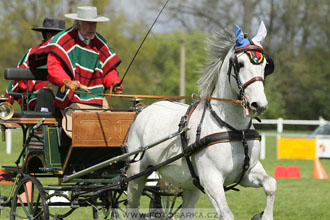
(162, 97)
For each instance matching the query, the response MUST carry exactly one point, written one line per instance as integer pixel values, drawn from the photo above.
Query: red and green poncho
(20, 86)
(93, 65)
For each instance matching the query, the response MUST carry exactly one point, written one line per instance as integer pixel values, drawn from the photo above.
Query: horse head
(248, 67)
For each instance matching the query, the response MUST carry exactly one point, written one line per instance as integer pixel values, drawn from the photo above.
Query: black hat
(51, 24)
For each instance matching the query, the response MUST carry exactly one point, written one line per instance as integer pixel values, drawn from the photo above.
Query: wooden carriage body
(98, 136)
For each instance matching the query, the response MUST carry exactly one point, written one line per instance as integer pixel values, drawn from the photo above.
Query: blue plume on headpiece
(240, 40)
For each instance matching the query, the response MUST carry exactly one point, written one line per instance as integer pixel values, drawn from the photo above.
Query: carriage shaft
(120, 157)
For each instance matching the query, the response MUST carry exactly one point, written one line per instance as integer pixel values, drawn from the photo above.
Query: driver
(80, 59)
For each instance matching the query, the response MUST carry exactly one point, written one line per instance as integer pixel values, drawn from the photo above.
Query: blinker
(270, 66)
(257, 57)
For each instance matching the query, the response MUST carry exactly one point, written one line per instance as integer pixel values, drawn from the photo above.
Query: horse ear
(239, 37)
(261, 35)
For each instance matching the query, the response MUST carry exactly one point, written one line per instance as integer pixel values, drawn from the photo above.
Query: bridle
(251, 51)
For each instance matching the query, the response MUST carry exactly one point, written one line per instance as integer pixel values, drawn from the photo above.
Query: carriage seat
(27, 74)
(33, 114)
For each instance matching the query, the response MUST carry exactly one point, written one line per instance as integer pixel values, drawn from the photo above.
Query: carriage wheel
(162, 206)
(29, 200)
(110, 205)
(163, 201)
(65, 210)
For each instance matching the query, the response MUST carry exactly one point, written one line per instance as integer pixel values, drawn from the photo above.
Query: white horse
(237, 68)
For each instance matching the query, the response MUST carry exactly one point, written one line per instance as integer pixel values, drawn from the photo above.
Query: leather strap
(223, 137)
(254, 79)
(165, 97)
(250, 47)
(184, 142)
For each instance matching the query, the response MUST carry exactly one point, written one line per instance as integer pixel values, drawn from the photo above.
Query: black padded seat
(25, 74)
(30, 74)
(33, 114)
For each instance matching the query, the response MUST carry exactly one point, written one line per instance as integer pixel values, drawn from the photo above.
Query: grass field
(296, 199)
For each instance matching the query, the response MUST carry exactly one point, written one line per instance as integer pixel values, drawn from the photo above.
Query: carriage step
(36, 147)
(11, 169)
(36, 144)
(7, 177)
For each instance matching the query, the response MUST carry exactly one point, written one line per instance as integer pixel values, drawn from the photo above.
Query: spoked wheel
(110, 205)
(163, 200)
(29, 200)
(59, 205)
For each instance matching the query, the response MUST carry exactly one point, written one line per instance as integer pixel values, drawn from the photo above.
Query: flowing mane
(218, 47)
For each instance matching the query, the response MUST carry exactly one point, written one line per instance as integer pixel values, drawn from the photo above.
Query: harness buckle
(244, 142)
(183, 121)
(243, 98)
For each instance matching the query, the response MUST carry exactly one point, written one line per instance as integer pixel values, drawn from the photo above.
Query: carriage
(90, 168)
(210, 146)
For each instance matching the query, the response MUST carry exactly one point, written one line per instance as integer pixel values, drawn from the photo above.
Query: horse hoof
(257, 216)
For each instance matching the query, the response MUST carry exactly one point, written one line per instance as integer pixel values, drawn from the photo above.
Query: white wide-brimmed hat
(87, 13)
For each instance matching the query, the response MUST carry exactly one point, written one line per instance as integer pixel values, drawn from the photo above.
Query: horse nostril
(255, 105)
(258, 108)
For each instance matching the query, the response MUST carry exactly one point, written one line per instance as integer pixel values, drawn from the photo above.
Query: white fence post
(280, 125)
(8, 140)
(322, 121)
(263, 147)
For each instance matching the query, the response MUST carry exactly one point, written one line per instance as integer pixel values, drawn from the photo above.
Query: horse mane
(218, 47)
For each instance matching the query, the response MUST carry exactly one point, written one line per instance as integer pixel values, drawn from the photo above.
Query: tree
(17, 17)
(167, 61)
(298, 40)
(298, 34)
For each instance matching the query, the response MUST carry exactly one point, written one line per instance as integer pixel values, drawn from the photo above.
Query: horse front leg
(190, 199)
(134, 192)
(258, 177)
(213, 186)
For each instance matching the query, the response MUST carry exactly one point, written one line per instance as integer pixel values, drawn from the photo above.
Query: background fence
(280, 123)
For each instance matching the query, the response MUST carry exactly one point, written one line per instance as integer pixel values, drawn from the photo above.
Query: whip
(129, 66)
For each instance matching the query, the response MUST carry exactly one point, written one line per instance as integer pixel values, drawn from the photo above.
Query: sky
(135, 9)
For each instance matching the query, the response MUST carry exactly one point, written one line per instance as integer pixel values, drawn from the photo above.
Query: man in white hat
(79, 59)
(50, 27)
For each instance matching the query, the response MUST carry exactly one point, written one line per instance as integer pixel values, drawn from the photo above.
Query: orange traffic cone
(319, 172)
(26, 198)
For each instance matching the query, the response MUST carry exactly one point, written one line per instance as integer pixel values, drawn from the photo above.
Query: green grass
(296, 199)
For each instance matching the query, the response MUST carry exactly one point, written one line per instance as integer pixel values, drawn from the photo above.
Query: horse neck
(231, 113)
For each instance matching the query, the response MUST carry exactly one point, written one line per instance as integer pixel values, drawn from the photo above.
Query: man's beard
(90, 38)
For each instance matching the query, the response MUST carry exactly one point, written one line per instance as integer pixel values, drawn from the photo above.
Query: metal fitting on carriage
(6, 109)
